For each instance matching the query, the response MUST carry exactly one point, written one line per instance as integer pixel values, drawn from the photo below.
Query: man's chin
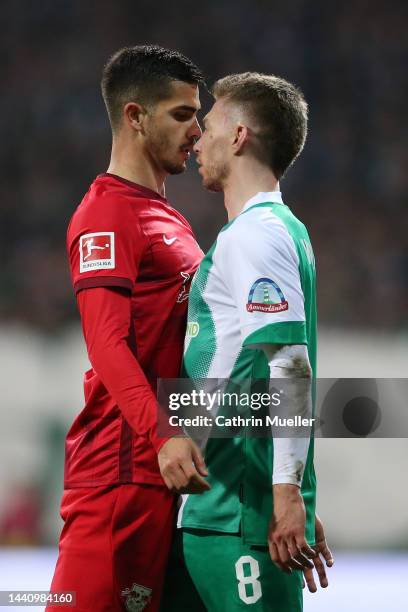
(212, 185)
(173, 168)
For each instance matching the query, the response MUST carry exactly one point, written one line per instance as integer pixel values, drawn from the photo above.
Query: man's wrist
(286, 479)
(158, 442)
(286, 489)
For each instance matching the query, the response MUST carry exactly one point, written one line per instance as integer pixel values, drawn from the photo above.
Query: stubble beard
(216, 177)
(160, 145)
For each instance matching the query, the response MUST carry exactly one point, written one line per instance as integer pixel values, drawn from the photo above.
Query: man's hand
(287, 544)
(320, 548)
(182, 466)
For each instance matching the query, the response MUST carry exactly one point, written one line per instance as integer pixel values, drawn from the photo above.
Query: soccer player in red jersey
(132, 257)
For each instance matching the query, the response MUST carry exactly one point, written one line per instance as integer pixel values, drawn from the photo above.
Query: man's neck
(246, 179)
(136, 167)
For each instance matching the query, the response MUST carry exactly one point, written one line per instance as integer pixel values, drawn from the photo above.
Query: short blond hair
(279, 111)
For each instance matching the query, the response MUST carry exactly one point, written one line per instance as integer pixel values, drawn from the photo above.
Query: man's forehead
(217, 111)
(184, 94)
(210, 114)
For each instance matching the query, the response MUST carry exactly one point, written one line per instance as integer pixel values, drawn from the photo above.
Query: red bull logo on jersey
(266, 296)
(137, 598)
(96, 250)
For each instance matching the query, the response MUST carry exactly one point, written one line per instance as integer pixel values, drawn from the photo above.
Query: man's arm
(290, 363)
(287, 543)
(106, 323)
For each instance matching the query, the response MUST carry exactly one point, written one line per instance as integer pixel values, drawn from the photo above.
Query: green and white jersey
(255, 285)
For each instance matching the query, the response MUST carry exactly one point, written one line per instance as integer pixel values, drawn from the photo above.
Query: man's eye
(182, 116)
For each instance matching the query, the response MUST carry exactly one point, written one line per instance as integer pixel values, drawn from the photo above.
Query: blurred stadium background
(350, 188)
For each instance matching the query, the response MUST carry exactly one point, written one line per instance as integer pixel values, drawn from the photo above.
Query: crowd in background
(349, 186)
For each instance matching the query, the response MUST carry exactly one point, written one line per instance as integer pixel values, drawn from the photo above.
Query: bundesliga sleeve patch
(266, 296)
(96, 251)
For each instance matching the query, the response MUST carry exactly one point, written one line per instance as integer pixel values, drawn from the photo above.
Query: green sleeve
(288, 332)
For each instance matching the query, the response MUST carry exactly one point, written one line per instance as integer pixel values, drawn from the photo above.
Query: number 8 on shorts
(249, 587)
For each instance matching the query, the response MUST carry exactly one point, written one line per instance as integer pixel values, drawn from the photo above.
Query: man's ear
(134, 115)
(241, 137)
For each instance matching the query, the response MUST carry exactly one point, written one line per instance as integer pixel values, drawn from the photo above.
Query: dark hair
(279, 111)
(143, 74)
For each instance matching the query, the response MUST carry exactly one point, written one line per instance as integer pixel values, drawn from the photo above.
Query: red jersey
(126, 236)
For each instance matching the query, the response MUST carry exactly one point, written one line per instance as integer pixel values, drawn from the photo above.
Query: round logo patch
(266, 296)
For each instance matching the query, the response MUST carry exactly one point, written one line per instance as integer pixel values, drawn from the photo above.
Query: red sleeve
(105, 244)
(106, 320)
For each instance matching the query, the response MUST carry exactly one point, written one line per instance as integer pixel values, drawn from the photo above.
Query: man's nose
(195, 130)
(196, 147)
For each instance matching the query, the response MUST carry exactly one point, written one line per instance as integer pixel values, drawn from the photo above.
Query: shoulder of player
(104, 205)
(256, 227)
(107, 212)
(256, 236)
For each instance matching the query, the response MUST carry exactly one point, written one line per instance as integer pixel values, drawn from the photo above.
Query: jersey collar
(144, 191)
(264, 196)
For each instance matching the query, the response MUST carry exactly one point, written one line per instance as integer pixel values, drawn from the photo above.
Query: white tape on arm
(290, 453)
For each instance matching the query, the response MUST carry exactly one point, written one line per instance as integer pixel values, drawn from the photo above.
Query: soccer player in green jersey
(252, 315)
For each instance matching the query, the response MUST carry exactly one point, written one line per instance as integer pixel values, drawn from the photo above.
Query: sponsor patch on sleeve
(96, 251)
(266, 296)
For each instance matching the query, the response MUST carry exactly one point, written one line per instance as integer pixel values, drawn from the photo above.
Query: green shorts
(217, 572)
